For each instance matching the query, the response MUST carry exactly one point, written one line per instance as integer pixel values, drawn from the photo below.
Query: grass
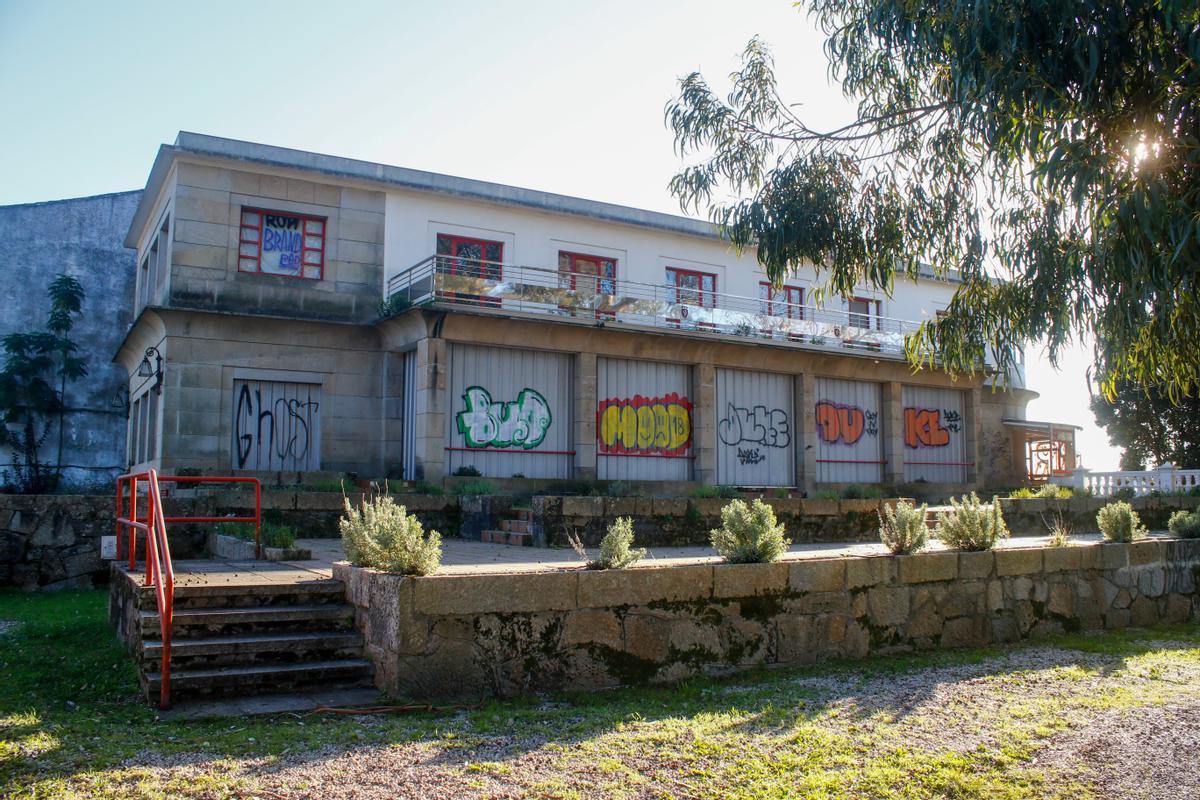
(71, 726)
(273, 534)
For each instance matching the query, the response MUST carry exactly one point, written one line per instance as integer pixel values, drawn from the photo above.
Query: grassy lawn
(994, 723)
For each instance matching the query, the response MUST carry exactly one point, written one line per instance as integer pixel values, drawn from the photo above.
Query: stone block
(1147, 551)
(964, 632)
(582, 506)
(963, 598)
(1018, 561)
(1021, 588)
(639, 587)
(822, 603)
(592, 626)
(1179, 608)
(819, 508)
(1114, 555)
(473, 594)
(1116, 618)
(857, 506)
(1143, 612)
(669, 506)
(888, 606)
(708, 506)
(1062, 559)
(647, 637)
(620, 507)
(926, 623)
(1061, 600)
(995, 596)
(1152, 581)
(869, 571)
(817, 575)
(794, 634)
(928, 567)
(748, 580)
(976, 565)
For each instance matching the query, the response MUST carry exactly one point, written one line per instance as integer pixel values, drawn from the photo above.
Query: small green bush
(726, 492)
(852, 492)
(425, 487)
(971, 525)
(477, 487)
(1047, 491)
(749, 534)
(1185, 524)
(326, 486)
(1124, 493)
(902, 527)
(384, 536)
(1120, 523)
(466, 471)
(616, 548)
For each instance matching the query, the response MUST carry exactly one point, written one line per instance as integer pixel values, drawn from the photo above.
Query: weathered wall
(83, 238)
(497, 635)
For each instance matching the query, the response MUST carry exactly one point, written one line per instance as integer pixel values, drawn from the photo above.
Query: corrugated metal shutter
(510, 412)
(408, 415)
(849, 435)
(756, 432)
(276, 425)
(643, 420)
(935, 437)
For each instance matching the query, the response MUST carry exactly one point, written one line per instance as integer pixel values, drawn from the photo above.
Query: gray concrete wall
(82, 237)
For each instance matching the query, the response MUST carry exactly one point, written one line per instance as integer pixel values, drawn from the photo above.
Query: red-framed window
(588, 276)
(689, 287)
(282, 243)
(786, 301)
(862, 310)
(476, 258)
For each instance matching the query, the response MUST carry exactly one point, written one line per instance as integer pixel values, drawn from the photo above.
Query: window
(470, 258)
(691, 288)
(275, 243)
(861, 310)
(143, 428)
(786, 301)
(587, 276)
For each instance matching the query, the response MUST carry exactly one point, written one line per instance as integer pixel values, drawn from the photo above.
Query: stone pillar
(892, 429)
(806, 433)
(431, 409)
(972, 422)
(584, 430)
(704, 423)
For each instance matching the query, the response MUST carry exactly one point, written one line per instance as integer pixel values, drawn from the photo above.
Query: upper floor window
(692, 288)
(278, 243)
(786, 301)
(476, 258)
(863, 310)
(589, 274)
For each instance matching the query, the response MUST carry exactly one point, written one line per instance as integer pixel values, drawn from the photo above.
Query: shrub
(617, 489)
(477, 487)
(425, 487)
(1124, 493)
(726, 492)
(749, 534)
(1120, 523)
(1185, 524)
(852, 492)
(271, 534)
(1060, 531)
(902, 527)
(384, 536)
(971, 525)
(616, 548)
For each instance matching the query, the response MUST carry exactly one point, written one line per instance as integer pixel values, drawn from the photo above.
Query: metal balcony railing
(465, 282)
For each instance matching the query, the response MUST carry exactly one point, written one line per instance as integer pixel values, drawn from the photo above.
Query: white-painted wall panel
(276, 425)
(756, 431)
(934, 435)
(849, 435)
(509, 412)
(643, 420)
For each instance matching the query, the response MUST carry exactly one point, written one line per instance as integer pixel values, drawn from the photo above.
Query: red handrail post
(133, 514)
(117, 519)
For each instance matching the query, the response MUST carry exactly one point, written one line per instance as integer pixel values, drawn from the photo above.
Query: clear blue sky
(561, 96)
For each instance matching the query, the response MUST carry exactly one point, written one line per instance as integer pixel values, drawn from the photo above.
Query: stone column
(431, 409)
(584, 424)
(704, 424)
(806, 433)
(892, 429)
(972, 423)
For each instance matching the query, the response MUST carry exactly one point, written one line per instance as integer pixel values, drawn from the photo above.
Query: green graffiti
(522, 423)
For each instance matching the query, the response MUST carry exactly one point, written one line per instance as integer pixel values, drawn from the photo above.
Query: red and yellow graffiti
(836, 422)
(923, 428)
(651, 425)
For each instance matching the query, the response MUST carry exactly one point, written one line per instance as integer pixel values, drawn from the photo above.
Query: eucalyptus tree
(1050, 143)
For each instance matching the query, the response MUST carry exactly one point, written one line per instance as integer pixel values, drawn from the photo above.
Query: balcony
(471, 284)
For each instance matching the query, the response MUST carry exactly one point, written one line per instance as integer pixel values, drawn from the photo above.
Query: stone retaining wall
(502, 634)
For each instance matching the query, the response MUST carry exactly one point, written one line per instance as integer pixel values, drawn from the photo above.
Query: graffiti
(757, 425)
(750, 455)
(520, 423)
(282, 236)
(285, 429)
(872, 422)
(651, 425)
(953, 420)
(923, 428)
(845, 424)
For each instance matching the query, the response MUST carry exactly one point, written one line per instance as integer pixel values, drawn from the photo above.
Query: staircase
(248, 639)
(514, 529)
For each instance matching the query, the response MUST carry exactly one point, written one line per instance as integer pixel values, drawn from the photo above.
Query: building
(81, 237)
(299, 313)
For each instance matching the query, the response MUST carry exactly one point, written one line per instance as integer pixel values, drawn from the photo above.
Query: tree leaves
(1053, 145)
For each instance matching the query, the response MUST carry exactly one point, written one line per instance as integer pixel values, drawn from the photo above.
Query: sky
(561, 96)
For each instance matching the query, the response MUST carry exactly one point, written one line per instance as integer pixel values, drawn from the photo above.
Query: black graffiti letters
(750, 455)
(872, 422)
(268, 437)
(756, 425)
(951, 420)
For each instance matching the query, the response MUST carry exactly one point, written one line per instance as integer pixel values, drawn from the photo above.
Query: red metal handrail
(160, 573)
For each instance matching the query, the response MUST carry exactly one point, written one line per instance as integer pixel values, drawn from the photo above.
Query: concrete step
(504, 537)
(235, 595)
(514, 525)
(202, 623)
(254, 648)
(241, 680)
(522, 513)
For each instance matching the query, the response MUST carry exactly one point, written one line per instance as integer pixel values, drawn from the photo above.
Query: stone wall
(502, 634)
(1032, 517)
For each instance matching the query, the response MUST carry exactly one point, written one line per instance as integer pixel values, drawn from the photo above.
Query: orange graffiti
(923, 428)
(837, 422)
